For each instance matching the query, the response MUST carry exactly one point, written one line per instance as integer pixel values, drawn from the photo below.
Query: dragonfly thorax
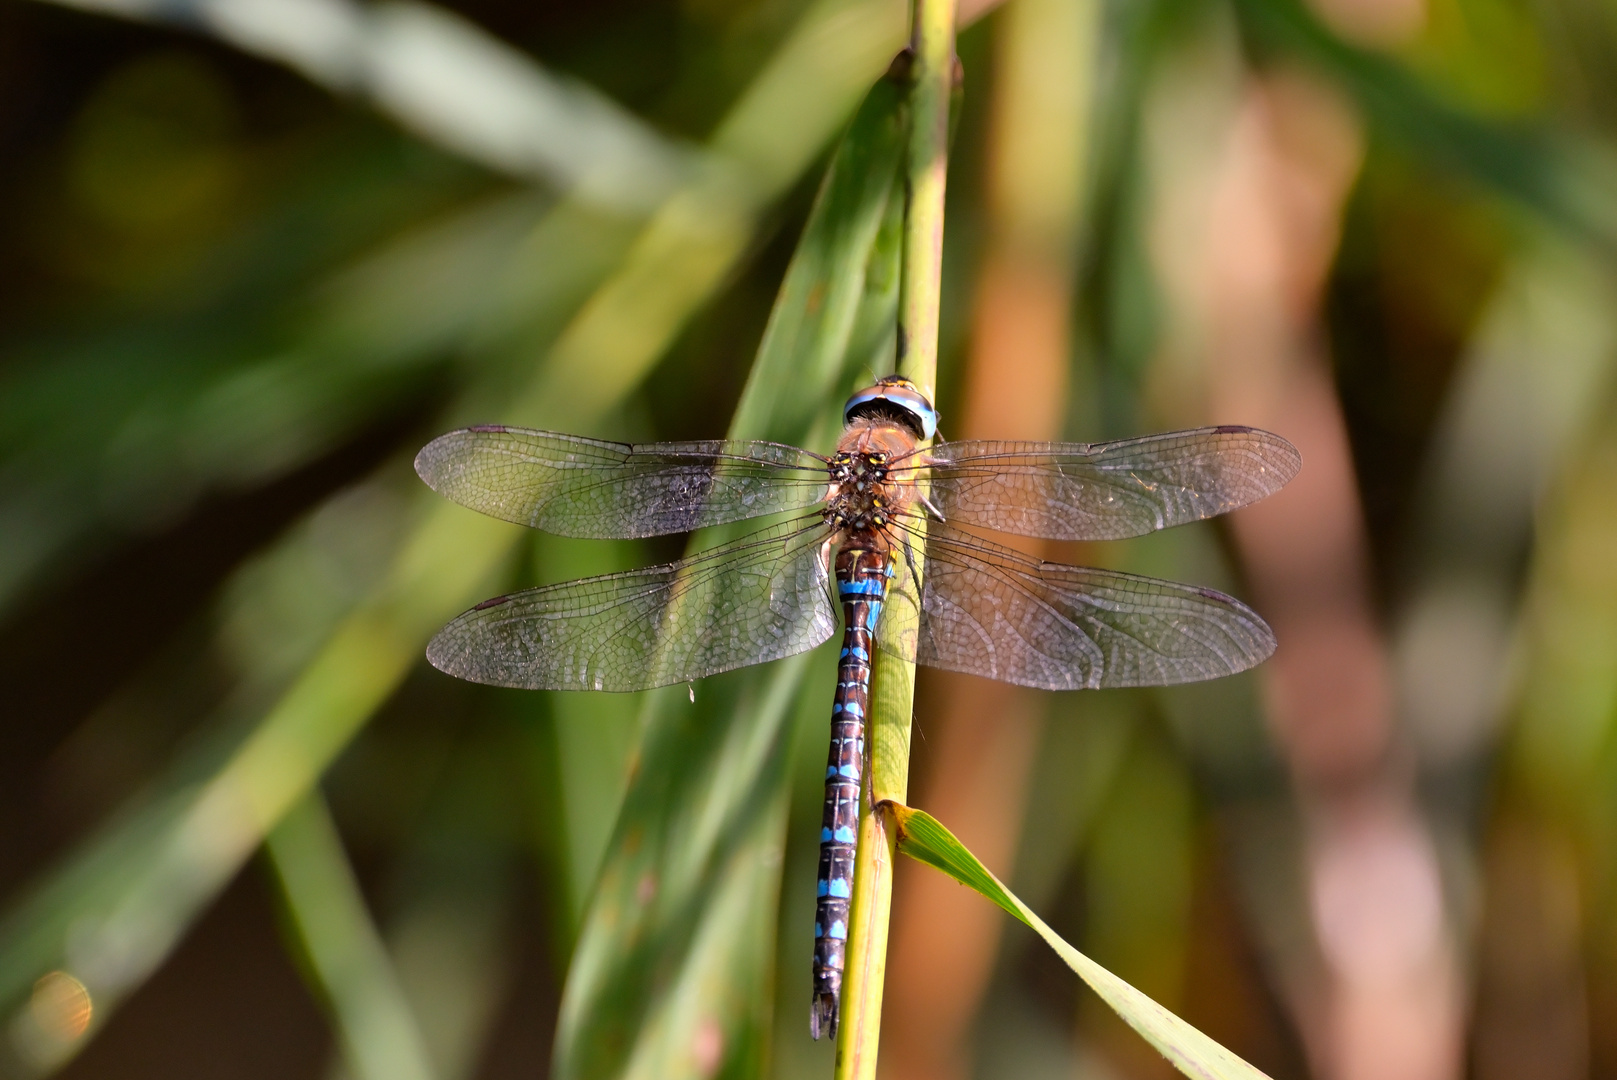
(866, 492)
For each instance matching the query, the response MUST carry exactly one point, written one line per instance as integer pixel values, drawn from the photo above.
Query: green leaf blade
(923, 838)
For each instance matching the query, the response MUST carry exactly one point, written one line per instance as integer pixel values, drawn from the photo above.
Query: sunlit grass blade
(922, 837)
(345, 954)
(672, 972)
(451, 82)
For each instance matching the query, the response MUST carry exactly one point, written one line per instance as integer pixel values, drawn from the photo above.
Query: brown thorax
(868, 492)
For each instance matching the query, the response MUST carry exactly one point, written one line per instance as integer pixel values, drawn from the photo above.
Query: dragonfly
(890, 528)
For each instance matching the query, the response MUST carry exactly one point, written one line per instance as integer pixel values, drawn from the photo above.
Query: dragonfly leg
(909, 561)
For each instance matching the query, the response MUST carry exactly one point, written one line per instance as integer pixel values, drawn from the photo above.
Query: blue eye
(900, 395)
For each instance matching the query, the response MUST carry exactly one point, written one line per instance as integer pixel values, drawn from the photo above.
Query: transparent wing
(987, 610)
(573, 486)
(1107, 491)
(760, 598)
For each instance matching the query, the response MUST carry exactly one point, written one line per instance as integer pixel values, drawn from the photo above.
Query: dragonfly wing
(1107, 491)
(572, 486)
(987, 610)
(760, 598)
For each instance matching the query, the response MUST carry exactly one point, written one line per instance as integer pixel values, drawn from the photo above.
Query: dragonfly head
(895, 398)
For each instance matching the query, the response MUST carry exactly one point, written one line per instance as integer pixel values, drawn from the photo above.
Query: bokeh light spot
(61, 1007)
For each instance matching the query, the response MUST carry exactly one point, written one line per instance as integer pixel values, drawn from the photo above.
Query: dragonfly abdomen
(862, 577)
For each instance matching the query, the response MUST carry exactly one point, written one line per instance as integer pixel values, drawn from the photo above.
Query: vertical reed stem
(932, 75)
(893, 679)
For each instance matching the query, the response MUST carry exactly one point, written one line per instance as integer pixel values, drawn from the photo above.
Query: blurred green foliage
(253, 255)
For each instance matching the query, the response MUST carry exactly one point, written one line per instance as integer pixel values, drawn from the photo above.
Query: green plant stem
(921, 287)
(892, 678)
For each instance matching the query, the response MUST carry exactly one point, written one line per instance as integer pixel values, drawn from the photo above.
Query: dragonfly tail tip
(823, 1016)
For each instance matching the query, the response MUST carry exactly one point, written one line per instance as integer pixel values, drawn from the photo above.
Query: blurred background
(254, 253)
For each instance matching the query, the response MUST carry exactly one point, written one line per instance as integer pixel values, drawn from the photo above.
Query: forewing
(987, 610)
(1107, 491)
(572, 486)
(761, 598)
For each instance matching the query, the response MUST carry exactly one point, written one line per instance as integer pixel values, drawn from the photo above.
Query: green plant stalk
(892, 678)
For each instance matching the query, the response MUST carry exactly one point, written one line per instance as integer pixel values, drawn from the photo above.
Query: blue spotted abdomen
(862, 578)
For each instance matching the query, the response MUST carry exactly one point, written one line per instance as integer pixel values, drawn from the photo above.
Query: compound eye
(899, 395)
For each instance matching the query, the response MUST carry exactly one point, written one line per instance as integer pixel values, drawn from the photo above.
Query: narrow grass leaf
(375, 1027)
(451, 82)
(922, 837)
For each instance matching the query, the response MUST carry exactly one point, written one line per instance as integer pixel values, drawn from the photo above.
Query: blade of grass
(450, 82)
(450, 898)
(923, 838)
(892, 696)
(346, 957)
